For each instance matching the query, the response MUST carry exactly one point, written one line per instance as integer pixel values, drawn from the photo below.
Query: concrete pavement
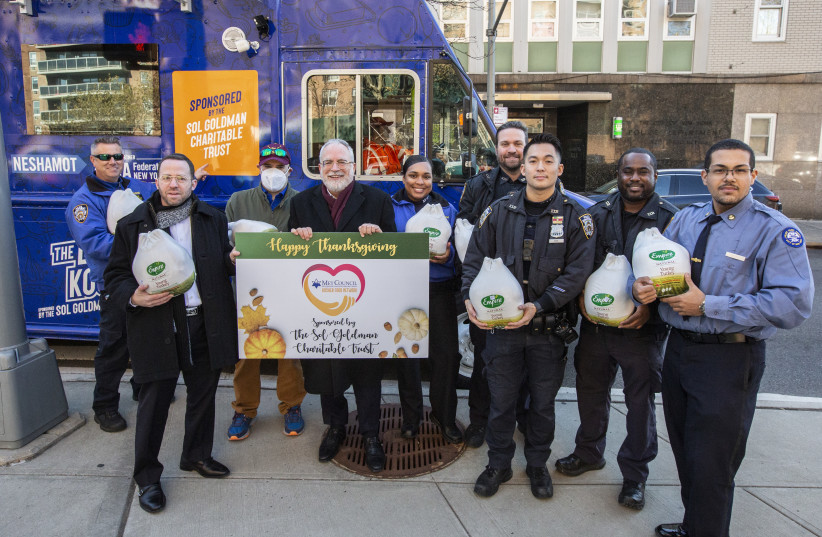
(82, 484)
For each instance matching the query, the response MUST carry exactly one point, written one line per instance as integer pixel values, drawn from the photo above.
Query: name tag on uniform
(735, 256)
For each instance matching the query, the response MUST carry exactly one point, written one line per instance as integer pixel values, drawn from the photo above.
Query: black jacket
(156, 353)
(478, 193)
(608, 219)
(365, 205)
(559, 269)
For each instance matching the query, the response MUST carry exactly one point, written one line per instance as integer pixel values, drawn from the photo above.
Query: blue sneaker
(294, 422)
(240, 427)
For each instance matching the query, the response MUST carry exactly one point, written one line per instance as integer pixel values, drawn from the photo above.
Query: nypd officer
(749, 276)
(635, 345)
(545, 240)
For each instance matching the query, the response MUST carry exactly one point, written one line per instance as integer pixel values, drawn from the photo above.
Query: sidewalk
(812, 229)
(82, 485)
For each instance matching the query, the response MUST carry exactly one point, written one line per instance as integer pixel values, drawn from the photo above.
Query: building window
(587, 20)
(33, 60)
(759, 134)
(332, 78)
(542, 20)
(504, 28)
(770, 17)
(633, 20)
(330, 97)
(454, 20)
(35, 108)
(35, 84)
(679, 29)
(380, 121)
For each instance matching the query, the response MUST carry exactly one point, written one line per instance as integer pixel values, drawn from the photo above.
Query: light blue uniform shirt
(756, 276)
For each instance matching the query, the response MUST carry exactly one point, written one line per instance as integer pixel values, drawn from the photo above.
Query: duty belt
(196, 310)
(698, 337)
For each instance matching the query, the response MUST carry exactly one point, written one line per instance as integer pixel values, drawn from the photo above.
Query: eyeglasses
(277, 152)
(340, 163)
(181, 179)
(105, 157)
(721, 173)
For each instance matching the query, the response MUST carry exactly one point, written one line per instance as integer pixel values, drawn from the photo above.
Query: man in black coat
(478, 193)
(635, 345)
(193, 332)
(341, 204)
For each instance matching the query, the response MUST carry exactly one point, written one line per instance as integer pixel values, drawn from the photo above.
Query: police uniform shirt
(756, 275)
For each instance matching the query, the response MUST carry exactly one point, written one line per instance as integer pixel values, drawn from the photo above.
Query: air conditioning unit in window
(681, 8)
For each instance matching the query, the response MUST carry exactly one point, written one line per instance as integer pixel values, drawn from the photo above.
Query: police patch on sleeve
(80, 212)
(587, 225)
(483, 216)
(792, 237)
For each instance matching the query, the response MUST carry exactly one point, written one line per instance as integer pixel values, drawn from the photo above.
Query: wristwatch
(702, 307)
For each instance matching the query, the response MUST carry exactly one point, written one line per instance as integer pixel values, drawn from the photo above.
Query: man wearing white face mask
(271, 203)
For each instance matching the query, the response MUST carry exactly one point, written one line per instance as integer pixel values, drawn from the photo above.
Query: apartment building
(679, 75)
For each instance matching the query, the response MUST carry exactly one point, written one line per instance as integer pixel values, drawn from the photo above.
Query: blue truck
(72, 71)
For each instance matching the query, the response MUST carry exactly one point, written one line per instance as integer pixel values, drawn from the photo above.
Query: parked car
(683, 186)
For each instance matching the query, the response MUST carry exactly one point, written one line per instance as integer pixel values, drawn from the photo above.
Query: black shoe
(206, 468)
(409, 431)
(451, 433)
(632, 494)
(489, 481)
(541, 485)
(374, 454)
(671, 530)
(110, 420)
(331, 443)
(152, 499)
(574, 466)
(474, 435)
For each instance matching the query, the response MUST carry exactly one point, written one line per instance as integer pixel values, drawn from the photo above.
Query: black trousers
(443, 358)
(479, 399)
(514, 358)
(600, 352)
(709, 397)
(152, 412)
(365, 377)
(111, 358)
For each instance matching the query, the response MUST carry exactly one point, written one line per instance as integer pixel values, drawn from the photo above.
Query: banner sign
(216, 119)
(337, 295)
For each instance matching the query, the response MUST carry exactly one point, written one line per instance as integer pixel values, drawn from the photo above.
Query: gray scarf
(167, 217)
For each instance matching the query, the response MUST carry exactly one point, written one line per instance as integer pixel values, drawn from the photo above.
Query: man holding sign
(340, 204)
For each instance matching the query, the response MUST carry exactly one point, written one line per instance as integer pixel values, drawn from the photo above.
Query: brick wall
(732, 50)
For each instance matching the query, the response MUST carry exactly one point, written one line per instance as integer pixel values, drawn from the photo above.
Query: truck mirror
(469, 116)
(469, 165)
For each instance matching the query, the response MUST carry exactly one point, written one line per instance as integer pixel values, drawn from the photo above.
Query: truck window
(447, 141)
(376, 113)
(92, 89)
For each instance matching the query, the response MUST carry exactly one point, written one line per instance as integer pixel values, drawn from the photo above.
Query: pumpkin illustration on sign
(264, 343)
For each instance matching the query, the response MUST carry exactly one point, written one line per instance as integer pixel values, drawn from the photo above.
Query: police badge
(80, 213)
(587, 225)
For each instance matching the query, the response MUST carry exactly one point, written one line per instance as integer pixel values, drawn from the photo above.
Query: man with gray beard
(341, 204)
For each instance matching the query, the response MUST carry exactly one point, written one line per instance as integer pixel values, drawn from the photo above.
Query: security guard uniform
(603, 349)
(756, 278)
(559, 259)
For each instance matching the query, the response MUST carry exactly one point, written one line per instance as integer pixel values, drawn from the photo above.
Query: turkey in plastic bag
(163, 264)
(121, 204)
(462, 236)
(607, 300)
(662, 260)
(248, 226)
(495, 294)
(431, 220)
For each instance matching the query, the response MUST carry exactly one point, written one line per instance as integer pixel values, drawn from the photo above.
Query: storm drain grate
(427, 453)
